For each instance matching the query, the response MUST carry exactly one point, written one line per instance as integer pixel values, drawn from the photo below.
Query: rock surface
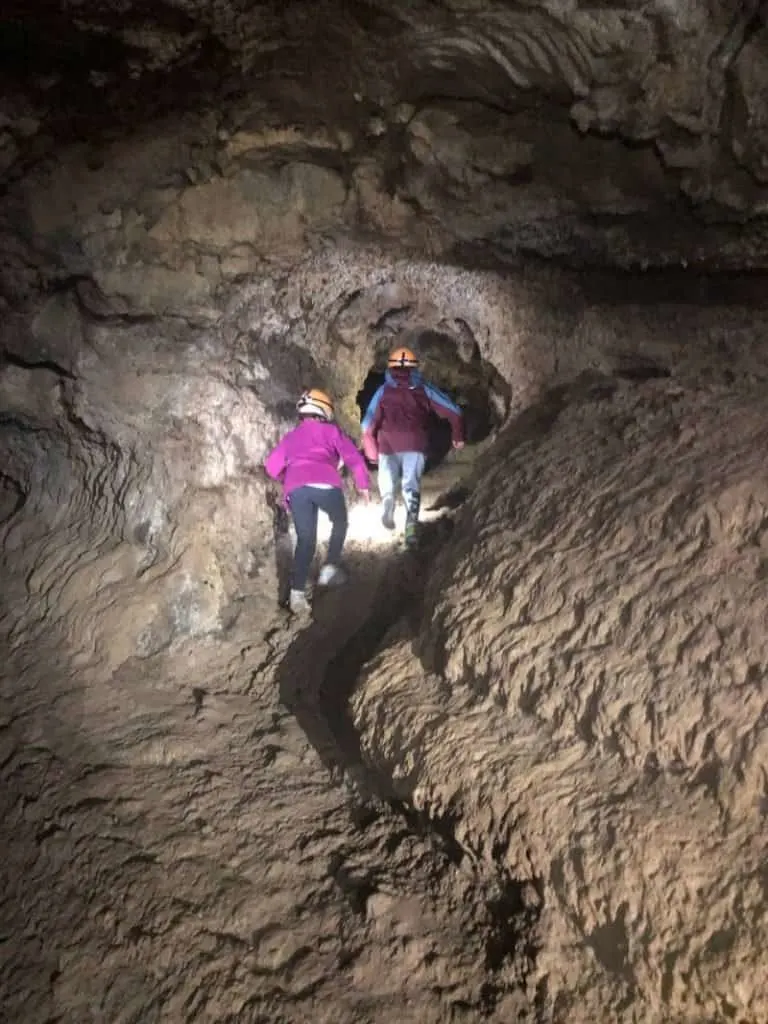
(514, 126)
(182, 848)
(585, 699)
(550, 803)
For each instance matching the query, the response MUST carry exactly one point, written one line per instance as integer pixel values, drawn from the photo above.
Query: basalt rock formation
(585, 699)
(546, 796)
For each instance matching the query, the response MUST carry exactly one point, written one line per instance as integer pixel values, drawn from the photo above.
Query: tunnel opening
(464, 376)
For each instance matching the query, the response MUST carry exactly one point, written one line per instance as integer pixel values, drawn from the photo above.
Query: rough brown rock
(182, 846)
(514, 126)
(585, 698)
(206, 206)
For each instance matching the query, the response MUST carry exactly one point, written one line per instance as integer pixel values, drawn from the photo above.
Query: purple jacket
(311, 453)
(397, 418)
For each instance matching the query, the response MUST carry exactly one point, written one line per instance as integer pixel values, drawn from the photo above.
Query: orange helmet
(314, 402)
(402, 358)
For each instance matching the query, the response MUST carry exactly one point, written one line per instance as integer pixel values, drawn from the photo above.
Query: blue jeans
(404, 469)
(305, 503)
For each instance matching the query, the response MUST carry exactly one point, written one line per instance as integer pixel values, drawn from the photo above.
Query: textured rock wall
(532, 105)
(200, 215)
(165, 326)
(453, 123)
(598, 731)
(138, 520)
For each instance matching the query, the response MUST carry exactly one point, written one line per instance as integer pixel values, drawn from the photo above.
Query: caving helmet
(402, 359)
(315, 402)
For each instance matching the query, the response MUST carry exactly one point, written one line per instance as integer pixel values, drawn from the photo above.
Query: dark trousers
(305, 503)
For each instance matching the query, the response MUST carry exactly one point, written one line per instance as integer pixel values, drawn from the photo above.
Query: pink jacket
(312, 453)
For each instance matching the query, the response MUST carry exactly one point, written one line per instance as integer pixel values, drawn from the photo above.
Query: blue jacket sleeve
(370, 412)
(439, 398)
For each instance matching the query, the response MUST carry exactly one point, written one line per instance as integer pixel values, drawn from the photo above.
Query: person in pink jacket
(307, 463)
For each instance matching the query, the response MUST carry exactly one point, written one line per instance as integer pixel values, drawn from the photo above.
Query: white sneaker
(299, 604)
(331, 575)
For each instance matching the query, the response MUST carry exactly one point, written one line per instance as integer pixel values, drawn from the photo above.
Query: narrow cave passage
(472, 786)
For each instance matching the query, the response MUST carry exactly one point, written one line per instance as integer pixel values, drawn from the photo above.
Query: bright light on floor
(365, 525)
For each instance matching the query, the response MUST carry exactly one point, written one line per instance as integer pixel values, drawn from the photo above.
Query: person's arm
(351, 457)
(275, 462)
(443, 407)
(371, 423)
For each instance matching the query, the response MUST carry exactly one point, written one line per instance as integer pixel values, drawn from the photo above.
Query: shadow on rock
(64, 865)
(319, 672)
(283, 547)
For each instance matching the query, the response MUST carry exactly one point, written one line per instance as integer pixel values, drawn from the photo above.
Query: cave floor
(196, 838)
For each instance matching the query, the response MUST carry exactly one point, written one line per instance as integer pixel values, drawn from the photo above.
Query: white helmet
(314, 402)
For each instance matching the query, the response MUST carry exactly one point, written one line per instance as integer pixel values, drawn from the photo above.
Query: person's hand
(365, 497)
(458, 444)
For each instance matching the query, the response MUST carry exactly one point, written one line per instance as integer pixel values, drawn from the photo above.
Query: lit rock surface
(586, 702)
(549, 805)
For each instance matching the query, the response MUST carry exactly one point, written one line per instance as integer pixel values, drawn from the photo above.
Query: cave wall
(129, 534)
(162, 313)
(528, 118)
(595, 735)
(191, 232)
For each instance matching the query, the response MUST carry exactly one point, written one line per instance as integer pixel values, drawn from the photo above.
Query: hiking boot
(411, 535)
(388, 515)
(331, 576)
(299, 604)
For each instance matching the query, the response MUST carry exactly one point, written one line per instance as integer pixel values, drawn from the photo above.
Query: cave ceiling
(613, 133)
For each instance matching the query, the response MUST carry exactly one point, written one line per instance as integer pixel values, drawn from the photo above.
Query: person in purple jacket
(396, 435)
(307, 462)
